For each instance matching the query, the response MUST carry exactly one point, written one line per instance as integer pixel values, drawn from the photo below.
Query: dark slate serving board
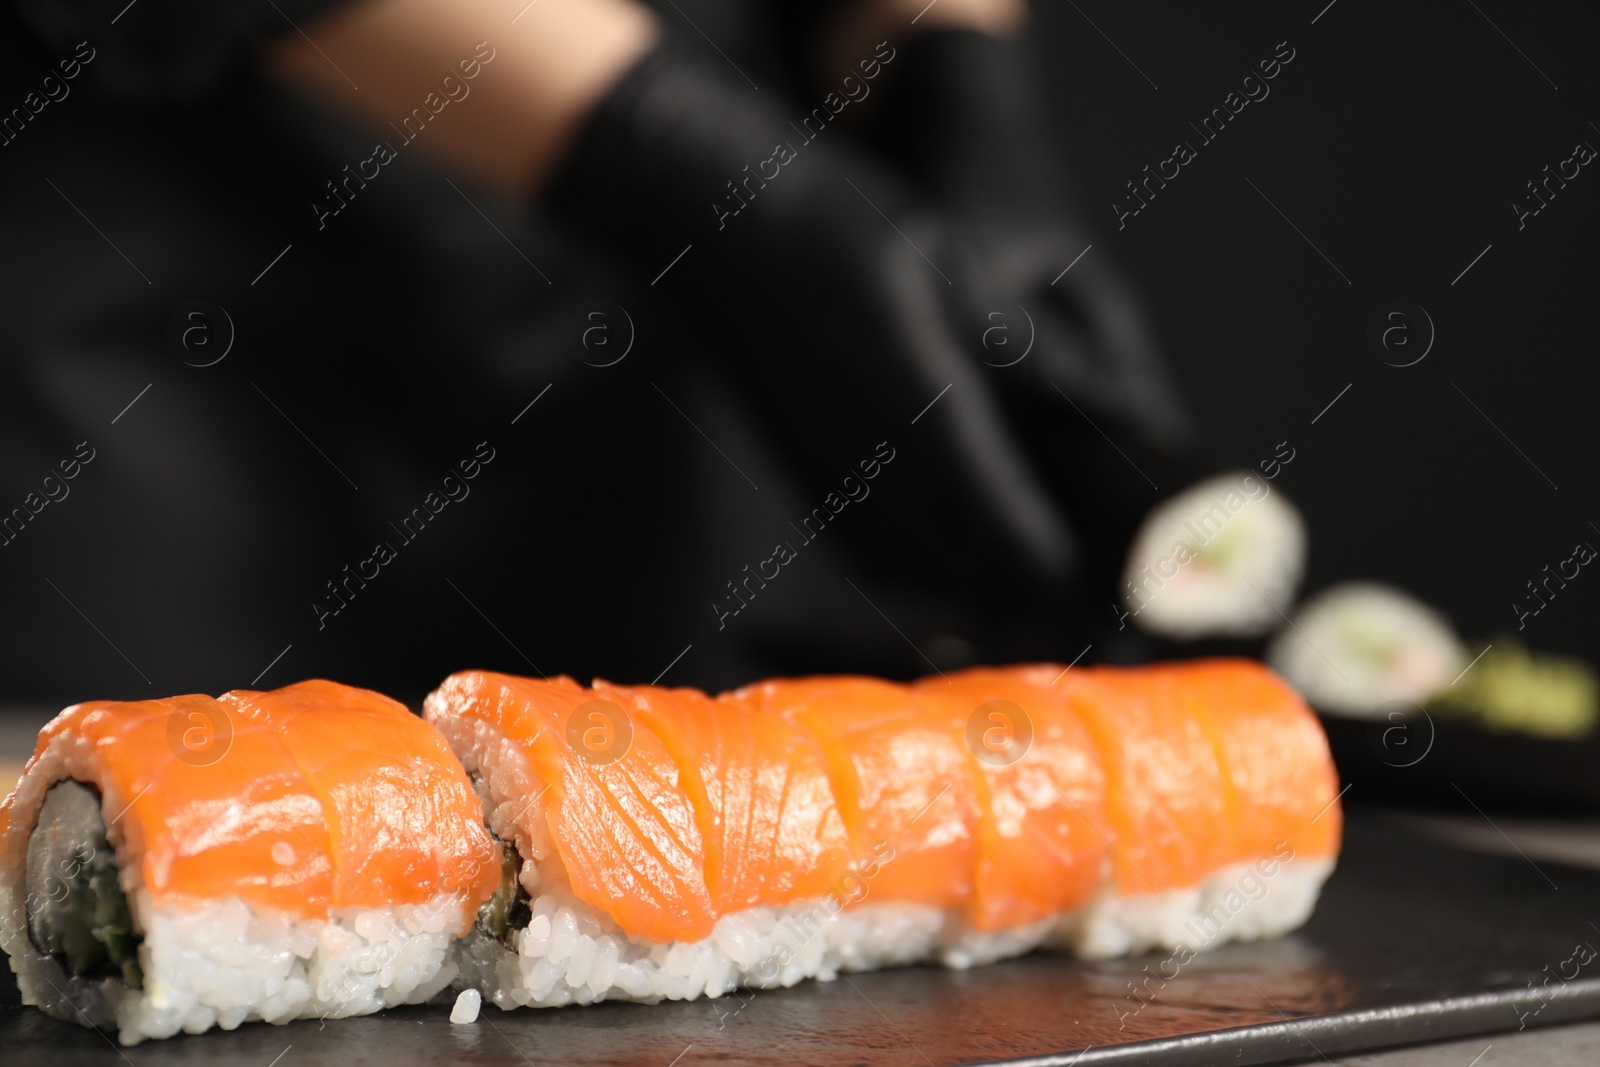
(1441, 763)
(1413, 941)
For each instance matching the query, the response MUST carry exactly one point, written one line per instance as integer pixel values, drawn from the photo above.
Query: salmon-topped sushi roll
(1217, 814)
(172, 865)
(665, 844)
(1043, 850)
(655, 836)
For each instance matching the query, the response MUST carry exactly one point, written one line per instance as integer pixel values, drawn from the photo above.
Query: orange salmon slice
(625, 830)
(299, 801)
(1280, 778)
(249, 824)
(1166, 795)
(902, 776)
(1042, 838)
(759, 786)
(404, 824)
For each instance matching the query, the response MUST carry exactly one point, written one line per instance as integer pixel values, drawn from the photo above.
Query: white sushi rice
(220, 964)
(223, 964)
(465, 1010)
(573, 953)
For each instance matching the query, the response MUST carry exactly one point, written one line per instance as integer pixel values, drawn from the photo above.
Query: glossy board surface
(1413, 941)
(1440, 763)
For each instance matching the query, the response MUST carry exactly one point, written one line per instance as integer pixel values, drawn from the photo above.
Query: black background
(409, 330)
(1397, 141)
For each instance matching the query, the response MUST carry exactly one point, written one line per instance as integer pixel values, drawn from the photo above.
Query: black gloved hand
(962, 116)
(831, 298)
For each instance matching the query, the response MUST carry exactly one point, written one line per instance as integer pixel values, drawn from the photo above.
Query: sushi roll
(1357, 646)
(666, 844)
(1219, 559)
(174, 865)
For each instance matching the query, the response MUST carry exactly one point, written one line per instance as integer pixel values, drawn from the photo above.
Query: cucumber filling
(76, 909)
(508, 910)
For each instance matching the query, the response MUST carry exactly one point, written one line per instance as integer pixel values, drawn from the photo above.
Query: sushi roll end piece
(173, 865)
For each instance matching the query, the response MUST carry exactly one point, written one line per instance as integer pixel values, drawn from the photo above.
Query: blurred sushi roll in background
(1356, 646)
(173, 865)
(1218, 559)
